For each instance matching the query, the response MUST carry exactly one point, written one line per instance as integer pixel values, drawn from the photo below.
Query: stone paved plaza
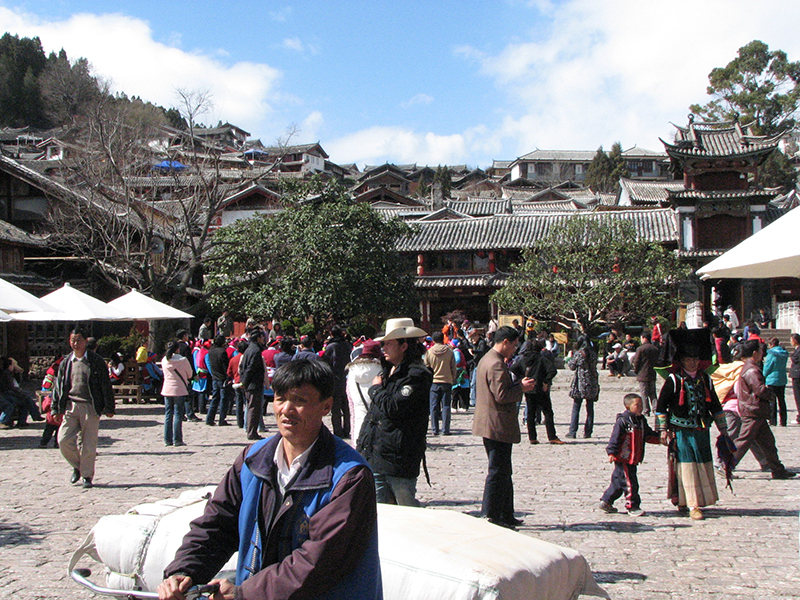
(746, 549)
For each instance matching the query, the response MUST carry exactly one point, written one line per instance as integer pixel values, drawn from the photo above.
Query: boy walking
(626, 450)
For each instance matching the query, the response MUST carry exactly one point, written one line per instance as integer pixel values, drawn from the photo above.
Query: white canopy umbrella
(140, 307)
(74, 305)
(4, 316)
(14, 299)
(772, 252)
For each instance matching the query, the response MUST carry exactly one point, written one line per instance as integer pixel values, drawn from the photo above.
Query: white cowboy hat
(400, 329)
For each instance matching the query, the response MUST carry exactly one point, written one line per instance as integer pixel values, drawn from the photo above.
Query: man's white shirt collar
(286, 472)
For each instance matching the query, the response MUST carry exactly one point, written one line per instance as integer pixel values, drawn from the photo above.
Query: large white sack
(425, 554)
(437, 554)
(135, 547)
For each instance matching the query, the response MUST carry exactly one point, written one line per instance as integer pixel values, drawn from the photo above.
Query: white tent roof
(74, 306)
(15, 299)
(140, 307)
(4, 316)
(772, 252)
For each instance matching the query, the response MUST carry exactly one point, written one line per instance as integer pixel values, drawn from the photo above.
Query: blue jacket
(775, 366)
(321, 538)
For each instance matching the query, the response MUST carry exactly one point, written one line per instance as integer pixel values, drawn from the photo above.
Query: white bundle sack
(425, 554)
(135, 547)
(443, 554)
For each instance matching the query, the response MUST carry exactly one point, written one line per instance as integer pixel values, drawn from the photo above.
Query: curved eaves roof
(520, 231)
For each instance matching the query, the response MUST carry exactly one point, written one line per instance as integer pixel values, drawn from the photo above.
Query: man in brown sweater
(440, 359)
(497, 423)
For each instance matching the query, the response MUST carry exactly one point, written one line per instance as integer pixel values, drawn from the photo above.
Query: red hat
(371, 349)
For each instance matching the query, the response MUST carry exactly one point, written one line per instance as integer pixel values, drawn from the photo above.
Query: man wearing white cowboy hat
(393, 435)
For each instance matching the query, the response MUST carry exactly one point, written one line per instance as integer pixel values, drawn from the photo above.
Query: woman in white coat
(360, 373)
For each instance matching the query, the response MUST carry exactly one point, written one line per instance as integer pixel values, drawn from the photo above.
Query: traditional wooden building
(462, 260)
(719, 205)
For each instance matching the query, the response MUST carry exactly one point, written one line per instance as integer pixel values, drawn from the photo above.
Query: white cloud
(122, 50)
(293, 44)
(622, 69)
(417, 99)
(282, 15)
(397, 144)
(309, 128)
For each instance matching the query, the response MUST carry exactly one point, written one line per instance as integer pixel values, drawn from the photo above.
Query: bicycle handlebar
(198, 592)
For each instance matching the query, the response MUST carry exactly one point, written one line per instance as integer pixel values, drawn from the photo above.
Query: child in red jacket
(626, 450)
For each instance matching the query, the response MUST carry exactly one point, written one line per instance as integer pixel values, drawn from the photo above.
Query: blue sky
(426, 82)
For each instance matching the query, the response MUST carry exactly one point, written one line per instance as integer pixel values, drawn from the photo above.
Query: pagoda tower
(721, 204)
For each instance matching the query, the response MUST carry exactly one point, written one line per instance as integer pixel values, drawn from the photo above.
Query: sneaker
(557, 441)
(696, 514)
(635, 512)
(783, 474)
(606, 507)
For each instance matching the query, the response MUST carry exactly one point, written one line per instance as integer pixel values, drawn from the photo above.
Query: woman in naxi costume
(687, 405)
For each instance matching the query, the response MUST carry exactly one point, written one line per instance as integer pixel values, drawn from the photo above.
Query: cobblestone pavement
(746, 549)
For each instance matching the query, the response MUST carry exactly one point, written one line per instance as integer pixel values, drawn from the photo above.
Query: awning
(73, 305)
(140, 307)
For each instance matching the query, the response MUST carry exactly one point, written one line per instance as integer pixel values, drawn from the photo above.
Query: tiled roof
(637, 152)
(569, 204)
(717, 139)
(14, 235)
(558, 155)
(648, 192)
(284, 150)
(520, 231)
(428, 282)
(479, 207)
(501, 164)
(683, 194)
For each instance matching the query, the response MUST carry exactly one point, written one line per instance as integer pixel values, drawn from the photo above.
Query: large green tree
(605, 170)
(322, 257)
(588, 272)
(758, 85)
(22, 61)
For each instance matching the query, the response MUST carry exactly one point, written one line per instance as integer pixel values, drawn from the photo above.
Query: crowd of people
(386, 396)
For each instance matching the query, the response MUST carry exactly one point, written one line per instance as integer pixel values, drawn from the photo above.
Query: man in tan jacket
(440, 359)
(497, 423)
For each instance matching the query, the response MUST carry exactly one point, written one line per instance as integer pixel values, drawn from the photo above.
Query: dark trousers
(624, 480)
(241, 403)
(576, 413)
(796, 390)
(340, 413)
(439, 402)
(47, 434)
(498, 491)
(779, 408)
(756, 432)
(255, 401)
(219, 402)
(540, 402)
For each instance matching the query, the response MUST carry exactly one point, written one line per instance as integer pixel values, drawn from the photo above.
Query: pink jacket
(175, 368)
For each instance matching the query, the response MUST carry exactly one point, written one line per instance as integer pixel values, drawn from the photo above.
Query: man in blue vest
(299, 507)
